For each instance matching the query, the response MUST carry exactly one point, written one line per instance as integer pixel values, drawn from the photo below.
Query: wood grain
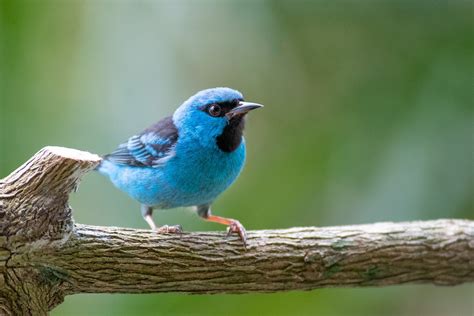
(45, 256)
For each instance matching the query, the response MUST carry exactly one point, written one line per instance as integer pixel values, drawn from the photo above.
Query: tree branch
(44, 257)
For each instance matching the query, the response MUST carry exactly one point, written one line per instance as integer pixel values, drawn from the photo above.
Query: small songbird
(186, 159)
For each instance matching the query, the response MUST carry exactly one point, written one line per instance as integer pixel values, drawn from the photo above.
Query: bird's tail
(100, 166)
(100, 163)
(105, 167)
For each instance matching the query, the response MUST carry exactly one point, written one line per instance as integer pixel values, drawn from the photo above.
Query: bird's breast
(198, 175)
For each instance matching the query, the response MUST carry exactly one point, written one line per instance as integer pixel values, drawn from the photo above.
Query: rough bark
(44, 256)
(35, 216)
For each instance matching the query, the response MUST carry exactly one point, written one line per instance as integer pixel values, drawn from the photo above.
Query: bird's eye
(214, 110)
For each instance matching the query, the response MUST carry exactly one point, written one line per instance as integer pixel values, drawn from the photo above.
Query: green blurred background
(368, 117)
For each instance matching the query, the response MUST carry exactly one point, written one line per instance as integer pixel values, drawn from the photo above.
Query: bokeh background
(368, 117)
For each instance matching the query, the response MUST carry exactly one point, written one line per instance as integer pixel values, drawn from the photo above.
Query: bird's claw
(236, 227)
(166, 229)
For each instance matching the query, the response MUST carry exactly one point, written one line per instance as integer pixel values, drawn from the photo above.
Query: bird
(185, 160)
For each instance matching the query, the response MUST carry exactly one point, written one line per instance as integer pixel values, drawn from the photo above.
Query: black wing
(151, 148)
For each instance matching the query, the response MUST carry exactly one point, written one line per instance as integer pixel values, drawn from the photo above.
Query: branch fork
(45, 256)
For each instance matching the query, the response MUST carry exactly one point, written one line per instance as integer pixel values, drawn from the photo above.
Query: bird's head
(214, 117)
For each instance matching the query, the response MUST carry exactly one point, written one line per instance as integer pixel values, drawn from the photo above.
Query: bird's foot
(236, 227)
(173, 229)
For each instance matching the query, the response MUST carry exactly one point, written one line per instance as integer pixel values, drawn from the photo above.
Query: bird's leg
(234, 226)
(147, 212)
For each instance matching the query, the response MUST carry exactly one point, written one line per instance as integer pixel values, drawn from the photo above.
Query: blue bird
(187, 159)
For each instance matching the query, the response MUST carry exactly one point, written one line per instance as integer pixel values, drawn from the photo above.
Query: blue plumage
(187, 159)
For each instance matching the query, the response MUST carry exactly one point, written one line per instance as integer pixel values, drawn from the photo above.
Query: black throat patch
(231, 137)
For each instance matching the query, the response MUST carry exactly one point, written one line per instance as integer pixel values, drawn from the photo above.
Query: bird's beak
(242, 109)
